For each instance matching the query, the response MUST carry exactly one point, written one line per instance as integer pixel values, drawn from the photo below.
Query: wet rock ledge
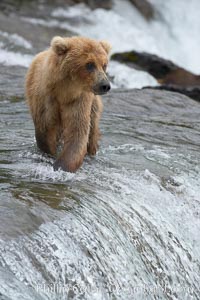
(170, 76)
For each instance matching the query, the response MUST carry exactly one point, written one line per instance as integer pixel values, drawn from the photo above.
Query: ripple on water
(129, 234)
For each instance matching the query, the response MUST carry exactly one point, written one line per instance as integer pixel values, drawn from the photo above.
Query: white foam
(46, 173)
(105, 233)
(72, 11)
(178, 32)
(40, 168)
(122, 224)
(126, 77)
(119, 32)
(16, 39)
(169, 35)
(10, 58)
(50, 23)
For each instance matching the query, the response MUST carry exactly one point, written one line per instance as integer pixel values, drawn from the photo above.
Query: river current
(126, 225)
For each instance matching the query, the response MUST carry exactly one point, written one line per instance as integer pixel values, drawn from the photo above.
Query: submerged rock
(145, 8)
(106, 4)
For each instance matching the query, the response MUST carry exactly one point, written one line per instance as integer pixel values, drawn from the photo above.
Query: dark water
(125, 226)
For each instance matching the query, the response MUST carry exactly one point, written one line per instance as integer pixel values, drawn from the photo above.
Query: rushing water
(126, 225)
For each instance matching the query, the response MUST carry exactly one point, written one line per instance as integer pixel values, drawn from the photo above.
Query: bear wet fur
(63, 85)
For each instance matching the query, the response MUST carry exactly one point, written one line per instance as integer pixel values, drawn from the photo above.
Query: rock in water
(145, 8)
(170, 76)
(165, 71)
(106, 4)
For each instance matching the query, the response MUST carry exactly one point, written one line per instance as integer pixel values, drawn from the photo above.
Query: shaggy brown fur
(62, 85)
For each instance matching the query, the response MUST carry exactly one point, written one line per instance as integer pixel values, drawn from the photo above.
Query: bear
(63, 87)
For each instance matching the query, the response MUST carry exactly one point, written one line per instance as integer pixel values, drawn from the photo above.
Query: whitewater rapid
(173, 34)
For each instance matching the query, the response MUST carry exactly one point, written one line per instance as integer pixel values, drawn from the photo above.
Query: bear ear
(106, 46)
(59, 45)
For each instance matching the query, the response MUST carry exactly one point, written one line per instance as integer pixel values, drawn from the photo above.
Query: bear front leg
(47, 140)
(47, 122)
(71, 157)
(94, 135)
(76, 124)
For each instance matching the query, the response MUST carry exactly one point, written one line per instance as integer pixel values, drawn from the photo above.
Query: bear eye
(90, 67)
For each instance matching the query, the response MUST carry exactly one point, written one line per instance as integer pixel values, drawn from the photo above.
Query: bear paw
(92, 149)
(59, 164)
(67, 166)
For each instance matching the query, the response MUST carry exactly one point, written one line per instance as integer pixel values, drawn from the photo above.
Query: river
(126, 225)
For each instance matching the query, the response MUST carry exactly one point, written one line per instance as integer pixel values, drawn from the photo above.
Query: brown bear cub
(62, 85)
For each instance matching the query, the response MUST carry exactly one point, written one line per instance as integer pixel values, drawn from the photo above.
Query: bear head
(83, 60)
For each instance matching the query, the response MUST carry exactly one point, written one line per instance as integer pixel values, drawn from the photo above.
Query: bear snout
(102, 87)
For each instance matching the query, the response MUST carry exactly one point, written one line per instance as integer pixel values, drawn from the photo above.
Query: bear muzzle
(102, 87)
